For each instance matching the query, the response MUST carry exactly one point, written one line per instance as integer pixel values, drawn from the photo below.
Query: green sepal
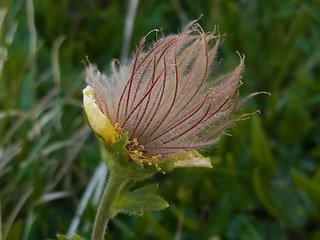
(140, 200)
(167, 165)
(118, 161)
(74, 237)
(116, 154)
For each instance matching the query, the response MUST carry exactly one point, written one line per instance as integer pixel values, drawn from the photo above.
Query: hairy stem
(104, 213)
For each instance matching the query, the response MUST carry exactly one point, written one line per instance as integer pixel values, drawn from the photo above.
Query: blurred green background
(265, 183)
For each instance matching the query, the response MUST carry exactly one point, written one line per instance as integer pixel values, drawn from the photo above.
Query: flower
(165, 99)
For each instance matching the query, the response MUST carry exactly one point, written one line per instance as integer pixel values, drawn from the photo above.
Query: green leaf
(74, 237)
(260, 149)
(15, 231)
(160, 231)
(268, 201)
(126, 229)
(188, 222)
(62, 237)
(27, 92)
(77, 237)
(310, 187)
(140, 200)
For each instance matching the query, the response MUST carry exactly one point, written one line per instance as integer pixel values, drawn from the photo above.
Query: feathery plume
(165, 100)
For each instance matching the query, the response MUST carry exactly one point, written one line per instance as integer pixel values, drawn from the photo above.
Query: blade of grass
(94, 181)
(0, 221)
(32, 35)
(131, 14)
(52, 196)
(7, 154)
(79, 137)
(15, 212)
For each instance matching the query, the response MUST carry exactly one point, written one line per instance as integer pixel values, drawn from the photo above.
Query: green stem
(104, 213)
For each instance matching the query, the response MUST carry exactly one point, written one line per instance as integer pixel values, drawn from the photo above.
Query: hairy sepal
(119, 162)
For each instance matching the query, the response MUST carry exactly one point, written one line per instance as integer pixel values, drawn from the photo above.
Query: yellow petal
(99, 122)
(192, 159)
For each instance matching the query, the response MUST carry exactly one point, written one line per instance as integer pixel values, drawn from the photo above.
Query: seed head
(166, 99)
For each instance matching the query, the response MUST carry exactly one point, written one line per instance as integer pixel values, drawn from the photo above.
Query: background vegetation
(265, 183)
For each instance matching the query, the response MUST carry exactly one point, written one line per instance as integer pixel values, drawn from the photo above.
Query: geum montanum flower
(165, 100)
